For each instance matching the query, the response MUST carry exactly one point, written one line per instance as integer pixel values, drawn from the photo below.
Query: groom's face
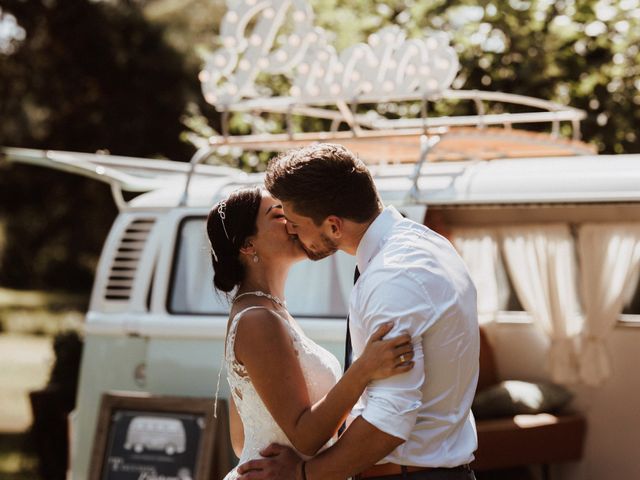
(318, 241)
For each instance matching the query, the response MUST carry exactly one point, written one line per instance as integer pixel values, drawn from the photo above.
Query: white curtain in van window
(321, 288)
(542, 266)
(478, 247)
(610, 267)
(192, 289)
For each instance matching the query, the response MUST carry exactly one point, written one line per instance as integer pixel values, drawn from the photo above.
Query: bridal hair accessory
(213, 252)
(221, 212)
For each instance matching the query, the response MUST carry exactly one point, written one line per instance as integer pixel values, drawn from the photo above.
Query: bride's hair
(229, 224)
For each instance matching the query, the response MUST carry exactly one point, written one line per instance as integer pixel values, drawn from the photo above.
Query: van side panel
(108, 363)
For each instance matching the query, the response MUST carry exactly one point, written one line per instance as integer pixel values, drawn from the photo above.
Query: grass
(40, 313)
(28, 322)
(25, 362)
(17, 459)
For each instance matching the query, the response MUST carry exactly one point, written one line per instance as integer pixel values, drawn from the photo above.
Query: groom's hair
(324, 179)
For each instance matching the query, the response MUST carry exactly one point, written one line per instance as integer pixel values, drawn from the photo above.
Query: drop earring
(255, 258)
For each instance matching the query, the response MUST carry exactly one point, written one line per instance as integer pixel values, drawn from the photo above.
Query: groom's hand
(280, 463)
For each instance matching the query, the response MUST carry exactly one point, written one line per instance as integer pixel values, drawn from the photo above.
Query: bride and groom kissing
(411, 364)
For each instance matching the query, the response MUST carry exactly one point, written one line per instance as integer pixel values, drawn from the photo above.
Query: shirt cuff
(396, 417)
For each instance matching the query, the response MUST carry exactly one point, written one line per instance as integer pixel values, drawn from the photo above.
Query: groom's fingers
(252, 466)
(381, 331)
(272, 450)
(253, 475)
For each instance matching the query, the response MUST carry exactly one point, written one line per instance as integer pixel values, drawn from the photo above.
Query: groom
(417, 425)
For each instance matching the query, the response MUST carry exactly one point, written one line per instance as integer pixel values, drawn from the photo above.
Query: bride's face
(273, 242)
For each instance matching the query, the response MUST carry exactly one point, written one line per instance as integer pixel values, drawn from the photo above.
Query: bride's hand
(384, 358)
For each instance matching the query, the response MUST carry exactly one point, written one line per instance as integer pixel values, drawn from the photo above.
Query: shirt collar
(372, 239)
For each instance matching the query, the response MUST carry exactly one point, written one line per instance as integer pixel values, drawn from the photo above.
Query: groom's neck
(354, 232)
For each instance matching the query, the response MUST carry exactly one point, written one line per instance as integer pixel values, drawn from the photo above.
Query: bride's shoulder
(260, 331)
(257, 321)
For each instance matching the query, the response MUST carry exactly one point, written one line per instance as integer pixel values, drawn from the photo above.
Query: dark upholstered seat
(523, 439)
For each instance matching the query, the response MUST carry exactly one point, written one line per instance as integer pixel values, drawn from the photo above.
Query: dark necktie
(348, 351)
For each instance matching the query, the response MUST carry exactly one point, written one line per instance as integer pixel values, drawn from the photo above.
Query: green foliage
(88, 76)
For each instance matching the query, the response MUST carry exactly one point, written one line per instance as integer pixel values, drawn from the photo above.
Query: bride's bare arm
(264, 346)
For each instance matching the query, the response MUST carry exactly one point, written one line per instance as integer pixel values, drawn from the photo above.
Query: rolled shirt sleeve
(392, 404)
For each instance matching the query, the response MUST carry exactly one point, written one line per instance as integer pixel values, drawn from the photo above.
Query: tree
(88, 76)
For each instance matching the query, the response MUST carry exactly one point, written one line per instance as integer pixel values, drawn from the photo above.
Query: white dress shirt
(413, 276)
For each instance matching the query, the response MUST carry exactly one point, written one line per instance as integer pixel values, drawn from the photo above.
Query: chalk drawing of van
(156, 433)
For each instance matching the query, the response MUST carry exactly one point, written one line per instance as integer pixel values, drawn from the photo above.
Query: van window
(314, 289)
(632, 306)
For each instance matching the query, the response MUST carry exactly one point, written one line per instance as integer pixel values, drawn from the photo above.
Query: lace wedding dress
(321, 371)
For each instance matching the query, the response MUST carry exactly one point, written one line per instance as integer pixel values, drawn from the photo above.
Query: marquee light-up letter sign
(389, 65)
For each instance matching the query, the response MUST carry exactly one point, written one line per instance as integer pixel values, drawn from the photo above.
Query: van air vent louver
(125, 263)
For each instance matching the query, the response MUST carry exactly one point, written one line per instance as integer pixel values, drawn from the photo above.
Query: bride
(285, 388)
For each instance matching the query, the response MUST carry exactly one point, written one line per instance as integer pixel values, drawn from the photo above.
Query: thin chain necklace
(259, 293)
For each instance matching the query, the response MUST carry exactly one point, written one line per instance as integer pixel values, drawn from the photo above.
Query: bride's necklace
(259, 293)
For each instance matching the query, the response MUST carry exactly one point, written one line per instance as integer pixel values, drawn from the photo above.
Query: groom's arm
(360, 447)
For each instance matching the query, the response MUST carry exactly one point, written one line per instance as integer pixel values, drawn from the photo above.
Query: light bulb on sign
(303, 68)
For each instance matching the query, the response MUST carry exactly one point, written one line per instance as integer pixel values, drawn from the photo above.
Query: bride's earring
(255, 258)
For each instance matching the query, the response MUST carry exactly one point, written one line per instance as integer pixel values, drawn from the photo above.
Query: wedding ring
(402, 359)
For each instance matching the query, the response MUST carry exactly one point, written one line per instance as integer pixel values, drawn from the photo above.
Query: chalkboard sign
(144, 437)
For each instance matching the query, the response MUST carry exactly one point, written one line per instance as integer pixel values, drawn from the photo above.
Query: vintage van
(157, 323)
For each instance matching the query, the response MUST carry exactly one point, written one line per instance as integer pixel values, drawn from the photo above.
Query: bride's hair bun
(229, 224)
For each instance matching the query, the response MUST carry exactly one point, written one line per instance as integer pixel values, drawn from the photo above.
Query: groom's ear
(336, 225)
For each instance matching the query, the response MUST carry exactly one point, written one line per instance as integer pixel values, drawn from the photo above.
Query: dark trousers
(458, 473)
